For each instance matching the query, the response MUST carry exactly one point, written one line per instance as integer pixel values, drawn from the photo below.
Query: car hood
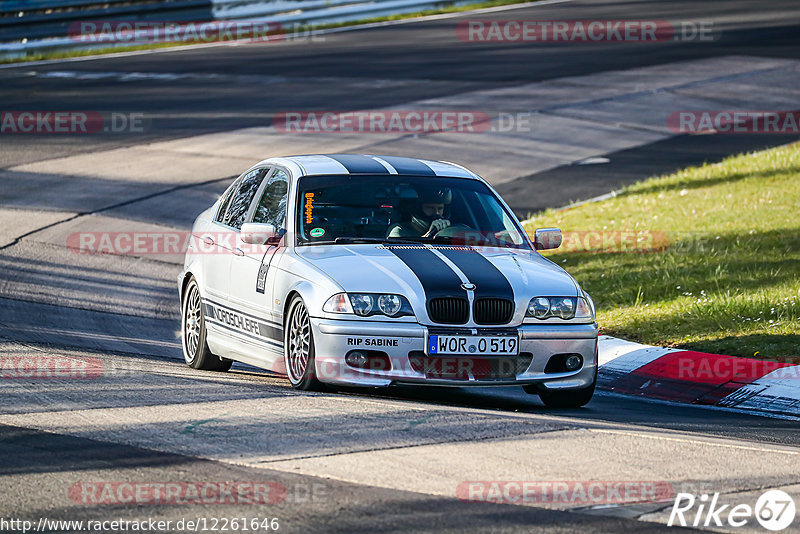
(420, 272)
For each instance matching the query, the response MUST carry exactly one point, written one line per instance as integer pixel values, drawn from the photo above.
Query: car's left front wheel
(570, 398)
(193, 333)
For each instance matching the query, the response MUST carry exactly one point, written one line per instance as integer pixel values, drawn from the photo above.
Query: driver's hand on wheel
(437, 226)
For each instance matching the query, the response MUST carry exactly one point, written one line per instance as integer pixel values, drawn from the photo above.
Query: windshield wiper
(376, 240)
(358, 240)
(422, 239)
(342, 240)
(448, 240)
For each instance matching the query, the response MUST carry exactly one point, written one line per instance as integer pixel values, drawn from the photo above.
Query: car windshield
(377, 209)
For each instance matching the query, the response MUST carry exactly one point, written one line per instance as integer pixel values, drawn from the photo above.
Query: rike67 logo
(774, 510)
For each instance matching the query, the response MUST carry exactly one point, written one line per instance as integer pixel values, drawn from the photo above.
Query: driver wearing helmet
(427, 218)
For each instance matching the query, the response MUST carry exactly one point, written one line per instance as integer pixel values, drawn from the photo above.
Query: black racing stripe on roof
(408, 166)
(357, 164)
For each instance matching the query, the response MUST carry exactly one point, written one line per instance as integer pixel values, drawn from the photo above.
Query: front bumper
(404, 344)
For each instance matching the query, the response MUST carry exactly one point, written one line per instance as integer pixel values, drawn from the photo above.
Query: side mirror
(257, 233)
(547, 238)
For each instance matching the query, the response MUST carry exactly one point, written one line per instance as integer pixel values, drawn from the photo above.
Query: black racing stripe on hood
(488, 280)
(357, 164)
(436, 277)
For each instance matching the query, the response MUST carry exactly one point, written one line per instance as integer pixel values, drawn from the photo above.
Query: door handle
(208, 240)
(238, 252)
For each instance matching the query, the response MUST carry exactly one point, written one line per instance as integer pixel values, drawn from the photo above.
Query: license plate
(473, 345)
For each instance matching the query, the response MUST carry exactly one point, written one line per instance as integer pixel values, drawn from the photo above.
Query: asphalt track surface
(123, 309)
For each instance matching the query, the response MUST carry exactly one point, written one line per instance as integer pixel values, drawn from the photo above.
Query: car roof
(327, 164)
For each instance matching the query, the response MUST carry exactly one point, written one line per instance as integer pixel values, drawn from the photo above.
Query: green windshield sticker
(316, 232)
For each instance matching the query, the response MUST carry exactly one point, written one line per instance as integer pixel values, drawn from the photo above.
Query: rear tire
(193, 333)
(299, 350)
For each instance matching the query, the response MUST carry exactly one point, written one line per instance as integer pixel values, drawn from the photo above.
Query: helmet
(431, 195)
(436, 195)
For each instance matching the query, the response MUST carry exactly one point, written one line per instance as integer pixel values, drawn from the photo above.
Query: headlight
(389, 304)
(561, 307)
(539, 308)
(362, 304)
(368, 304)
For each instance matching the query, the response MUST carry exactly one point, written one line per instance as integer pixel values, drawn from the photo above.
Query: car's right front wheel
(299, 348)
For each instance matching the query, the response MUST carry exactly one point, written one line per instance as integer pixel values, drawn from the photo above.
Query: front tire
(571, 398)
(193, 333)
(299, 348)
(575, 398)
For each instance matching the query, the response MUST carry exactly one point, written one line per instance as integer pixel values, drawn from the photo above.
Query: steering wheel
(456, 230)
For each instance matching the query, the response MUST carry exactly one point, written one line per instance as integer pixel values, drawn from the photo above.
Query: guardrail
(310, 11)
(36, 26)
(29, 21)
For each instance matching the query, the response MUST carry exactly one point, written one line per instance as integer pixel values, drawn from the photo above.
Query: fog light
(573, 362)
(356, 359)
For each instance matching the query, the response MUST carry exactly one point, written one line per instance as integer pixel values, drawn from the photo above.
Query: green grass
(289, 29)
(725, 273)
(84, 53)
